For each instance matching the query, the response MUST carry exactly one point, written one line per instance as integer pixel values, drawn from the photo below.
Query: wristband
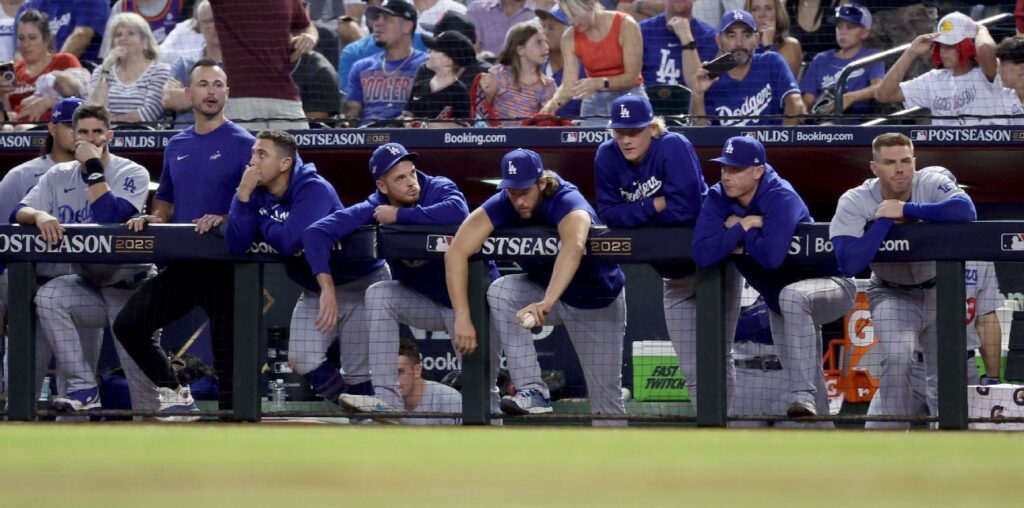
(692, 45)
(93, 166)
(95, 178)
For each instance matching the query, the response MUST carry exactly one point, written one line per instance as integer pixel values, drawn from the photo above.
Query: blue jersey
(201, 171)
(596, 284)
(282, 220)
(663, 56)
(763, 262)
(626, 191)
(361, 49)
(383, 88)
(761, 92)
(66, 15)
(571, 109)
(825, 69)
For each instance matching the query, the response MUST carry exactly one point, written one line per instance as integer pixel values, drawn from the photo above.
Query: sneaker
(799, 408)
(174, 401)
(529, 401)
(78, 400)
(367, 404)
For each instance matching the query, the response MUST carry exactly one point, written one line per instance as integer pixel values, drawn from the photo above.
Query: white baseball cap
(955, 27)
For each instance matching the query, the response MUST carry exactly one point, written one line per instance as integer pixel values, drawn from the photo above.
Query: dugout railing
(21, 248)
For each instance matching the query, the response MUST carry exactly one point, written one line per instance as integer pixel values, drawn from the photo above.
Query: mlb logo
(570, 137)
(1013, 241)
(749, 134)
(118, 142)
(919, 135)
(438, 243)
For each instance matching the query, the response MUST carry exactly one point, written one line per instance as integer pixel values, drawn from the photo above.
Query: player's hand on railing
(889, 208)
(465, 336)
(139, 223)
(660, 204)
(207, 222)
(385, 214)
(327, 316)
(49, 228)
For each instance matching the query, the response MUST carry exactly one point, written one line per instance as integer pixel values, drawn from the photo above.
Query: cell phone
(721, 65)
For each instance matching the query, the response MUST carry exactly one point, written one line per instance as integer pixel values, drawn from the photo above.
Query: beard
(742, 56)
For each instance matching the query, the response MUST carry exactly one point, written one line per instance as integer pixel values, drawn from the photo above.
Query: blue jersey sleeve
(309, 203)
(684, 187)
(92, 14)
(958, 208)
(768, 245)
(242, 224)
(355, 85)
(855, 254)
(712, 243)
(111, 209)
(499, 210)
(811, 82)
(782, 80)
(563, 203)
(448, 206)
(612, 207)
(318, 237)
(166, 190)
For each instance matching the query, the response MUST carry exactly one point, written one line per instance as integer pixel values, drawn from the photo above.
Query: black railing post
(476, 368)
(248, 316)
(711, 411)
(952, 344)
(21, 358)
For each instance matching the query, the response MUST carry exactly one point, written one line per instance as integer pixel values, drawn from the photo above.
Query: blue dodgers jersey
(761, 92)
(66, 15)
(596, 284)
(202, 171)
(571, 109)
(383, 88)
(663, 54)
(825, 69)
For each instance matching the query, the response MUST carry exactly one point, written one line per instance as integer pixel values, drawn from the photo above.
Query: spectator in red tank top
(611, 48)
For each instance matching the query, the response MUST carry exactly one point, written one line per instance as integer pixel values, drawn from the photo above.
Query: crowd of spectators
(358, 63)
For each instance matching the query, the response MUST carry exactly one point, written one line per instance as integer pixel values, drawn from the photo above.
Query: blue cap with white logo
(520, 169)
(555, 13)
(631, 112)
(64, 111)
(736, 16)
(386, 156)
(742, 152)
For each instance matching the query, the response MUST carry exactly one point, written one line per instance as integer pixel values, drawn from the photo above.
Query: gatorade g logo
(623, 112)
(1018, 396)
(511, 169)
(946, 27)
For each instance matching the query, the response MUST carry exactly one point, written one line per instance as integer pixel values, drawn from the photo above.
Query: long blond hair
(519, 35)
(150, 49)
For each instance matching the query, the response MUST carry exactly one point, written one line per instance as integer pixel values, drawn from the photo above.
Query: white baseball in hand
(528, 321)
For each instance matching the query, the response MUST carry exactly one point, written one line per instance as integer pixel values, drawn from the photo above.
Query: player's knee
(795, 298)
(379, 295)
(497, 293)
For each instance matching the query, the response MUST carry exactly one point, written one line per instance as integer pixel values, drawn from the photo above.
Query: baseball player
(901, 295)
(647, 176)
(585, 295)
(420, 395)
(752, 207)
(202, 167)
(98, 187)
(279, 197)
(417, 296)
(59, 147)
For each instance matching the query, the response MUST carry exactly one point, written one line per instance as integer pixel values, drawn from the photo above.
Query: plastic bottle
(277, 396)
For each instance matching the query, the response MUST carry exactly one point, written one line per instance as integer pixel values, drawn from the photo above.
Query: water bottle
(44, 394)
(277, 396)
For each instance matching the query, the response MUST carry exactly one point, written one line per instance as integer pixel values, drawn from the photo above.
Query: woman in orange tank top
(611, 49)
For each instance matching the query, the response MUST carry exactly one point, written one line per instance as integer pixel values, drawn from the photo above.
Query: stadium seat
(669, 100)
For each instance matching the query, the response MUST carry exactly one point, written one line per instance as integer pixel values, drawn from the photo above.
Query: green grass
(188, 466)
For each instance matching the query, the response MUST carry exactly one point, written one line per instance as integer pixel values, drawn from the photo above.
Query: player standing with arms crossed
(278, 198)
(646, 176)
(586, 296)
(902, 295)
(754, 208)
(202, 167)
(78, 192)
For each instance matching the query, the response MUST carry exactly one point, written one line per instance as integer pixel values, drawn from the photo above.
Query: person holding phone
(752, 89)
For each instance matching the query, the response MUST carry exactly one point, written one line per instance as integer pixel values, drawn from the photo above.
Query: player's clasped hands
(749, 222)
(385, 214)
(889, 208)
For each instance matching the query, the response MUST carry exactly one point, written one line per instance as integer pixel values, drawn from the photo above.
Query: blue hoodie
(440, 203)
(763, 263)
(281, 221)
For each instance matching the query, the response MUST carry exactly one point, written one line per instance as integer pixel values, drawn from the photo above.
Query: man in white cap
(960, 90)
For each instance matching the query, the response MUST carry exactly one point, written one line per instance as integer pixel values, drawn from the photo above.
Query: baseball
(528, 321)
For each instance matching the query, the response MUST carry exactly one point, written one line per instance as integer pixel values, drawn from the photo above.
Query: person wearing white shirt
(1011, 76)
(8, 10)
(431, 11)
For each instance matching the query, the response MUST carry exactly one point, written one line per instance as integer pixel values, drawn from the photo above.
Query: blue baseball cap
(742, 152)
(555, 13)
(736, 16)
(854, 13)
(520, 169)
(386, 156)
(631, 112)
(64, 111)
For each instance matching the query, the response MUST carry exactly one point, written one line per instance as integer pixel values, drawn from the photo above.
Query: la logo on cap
(737, 15)
(623, 112)
(393, 149)
(511, 168)
(728, 147)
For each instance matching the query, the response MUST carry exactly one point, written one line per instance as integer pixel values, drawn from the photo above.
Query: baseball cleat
(529, 401)
(799, 408)
(179, 400)
(367, 404)
(79, 400)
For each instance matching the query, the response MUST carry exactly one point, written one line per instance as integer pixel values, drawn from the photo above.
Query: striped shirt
(145, 95)
(511, 101)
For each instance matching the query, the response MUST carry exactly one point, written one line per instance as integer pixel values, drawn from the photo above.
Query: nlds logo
(768, 136)
(595, 137)
(134, 142)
